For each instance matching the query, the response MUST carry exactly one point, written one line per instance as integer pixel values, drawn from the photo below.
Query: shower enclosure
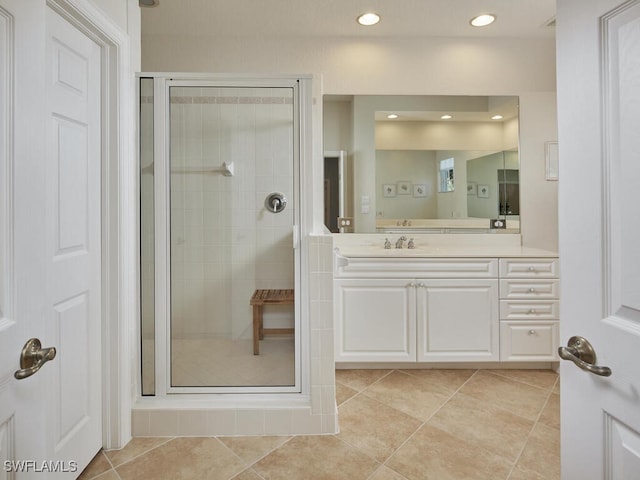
(219, 161)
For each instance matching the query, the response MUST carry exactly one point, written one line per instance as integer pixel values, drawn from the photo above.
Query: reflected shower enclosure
(211, 240)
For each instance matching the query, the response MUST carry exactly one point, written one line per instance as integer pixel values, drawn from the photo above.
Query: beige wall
(538, 197)
(350, 65)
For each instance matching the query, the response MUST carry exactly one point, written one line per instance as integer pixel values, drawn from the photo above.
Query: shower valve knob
(275, 202)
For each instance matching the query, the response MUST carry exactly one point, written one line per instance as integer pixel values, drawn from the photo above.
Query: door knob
(32, 357)
(581, 352)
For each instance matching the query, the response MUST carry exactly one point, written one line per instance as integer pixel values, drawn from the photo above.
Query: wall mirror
(428, 164)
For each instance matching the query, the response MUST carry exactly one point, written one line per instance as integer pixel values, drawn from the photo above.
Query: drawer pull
(532, 332)
(532, 311)
(532, 269)
(532, 290)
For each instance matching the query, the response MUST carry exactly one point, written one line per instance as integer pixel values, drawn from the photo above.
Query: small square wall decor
(389, 190)
(404, 188)
(419, 190)
(483, 191)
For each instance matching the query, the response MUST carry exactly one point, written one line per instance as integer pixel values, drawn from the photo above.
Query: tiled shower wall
(224, 243)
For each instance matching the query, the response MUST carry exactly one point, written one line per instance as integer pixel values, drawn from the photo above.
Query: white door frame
(120, 262)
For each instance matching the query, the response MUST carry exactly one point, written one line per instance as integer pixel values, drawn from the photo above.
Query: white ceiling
(400, 18)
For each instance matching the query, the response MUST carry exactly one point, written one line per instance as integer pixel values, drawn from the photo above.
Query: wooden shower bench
(261, 298)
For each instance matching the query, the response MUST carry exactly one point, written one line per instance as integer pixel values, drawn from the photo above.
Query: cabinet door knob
(532, 310)
(532, 290)
(532, 332)
(532, 269)
(421, 285)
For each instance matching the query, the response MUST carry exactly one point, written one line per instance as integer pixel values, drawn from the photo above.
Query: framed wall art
(404, 188)
(419, 190)
(389, 190)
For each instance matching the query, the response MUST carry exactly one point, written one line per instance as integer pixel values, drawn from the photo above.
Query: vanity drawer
(529, 310)
(416, 267)
(528, 341)
(530, 289)
(529, 268)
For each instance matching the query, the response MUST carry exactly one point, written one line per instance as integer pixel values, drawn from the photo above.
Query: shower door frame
(162, 162)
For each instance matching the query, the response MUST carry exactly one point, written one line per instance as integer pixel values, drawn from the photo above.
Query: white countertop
(488, 246)
(483, 251)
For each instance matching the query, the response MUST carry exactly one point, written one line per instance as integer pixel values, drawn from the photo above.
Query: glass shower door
(230, 150)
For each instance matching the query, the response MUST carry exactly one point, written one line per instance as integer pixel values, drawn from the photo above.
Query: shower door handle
(275, 202)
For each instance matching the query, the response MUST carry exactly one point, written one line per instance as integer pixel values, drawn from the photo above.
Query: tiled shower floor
(395, 425)
(225, 362)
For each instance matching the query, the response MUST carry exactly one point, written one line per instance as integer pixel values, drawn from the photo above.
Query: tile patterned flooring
(395, 425)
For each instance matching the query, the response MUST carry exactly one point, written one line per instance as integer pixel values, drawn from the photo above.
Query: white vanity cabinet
(529, 309)
(420, 309)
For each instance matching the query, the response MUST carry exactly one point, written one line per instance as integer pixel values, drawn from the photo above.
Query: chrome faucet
(400, 240)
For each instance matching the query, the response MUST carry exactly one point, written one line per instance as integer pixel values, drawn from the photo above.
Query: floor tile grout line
(514, 462)
(246, 466)
(494, 372)
(535, 424)
(355, 447)
(424, 422)
(548, 395)
(383, 465)
(100, 452)
(250, 465)
(144, 453)
(358, 392)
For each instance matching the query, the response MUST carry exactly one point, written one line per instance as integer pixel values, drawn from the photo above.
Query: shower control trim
(275, 202)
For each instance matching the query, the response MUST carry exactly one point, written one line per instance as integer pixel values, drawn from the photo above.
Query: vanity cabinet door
(375, 320)
(458, 320)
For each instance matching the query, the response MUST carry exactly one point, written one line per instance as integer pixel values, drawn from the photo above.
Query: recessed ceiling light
(496, 117)
(368, 19)
(392, 116)
(446, 117)
(483, 20)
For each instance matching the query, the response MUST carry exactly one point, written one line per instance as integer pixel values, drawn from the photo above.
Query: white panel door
(598, 44)
(50, 231)
(73, 238)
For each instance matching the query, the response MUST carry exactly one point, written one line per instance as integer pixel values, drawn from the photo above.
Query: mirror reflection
(421, 163)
